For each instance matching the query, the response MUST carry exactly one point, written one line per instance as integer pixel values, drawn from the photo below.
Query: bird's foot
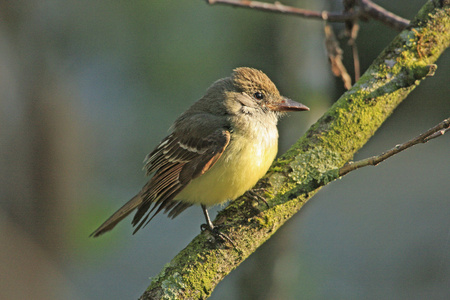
(252, 194)
(216, 234)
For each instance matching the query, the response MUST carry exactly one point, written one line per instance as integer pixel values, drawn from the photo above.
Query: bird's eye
(258, 95)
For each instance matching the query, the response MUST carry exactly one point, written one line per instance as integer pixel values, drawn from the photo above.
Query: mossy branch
(313, 161)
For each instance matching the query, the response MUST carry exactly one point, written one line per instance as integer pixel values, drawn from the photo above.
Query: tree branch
(378, 13)
(432, 133)
(368, 10)
(277, 7)
(312, 162)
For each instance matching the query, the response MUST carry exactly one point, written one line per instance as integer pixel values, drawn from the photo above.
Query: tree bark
(313, 161)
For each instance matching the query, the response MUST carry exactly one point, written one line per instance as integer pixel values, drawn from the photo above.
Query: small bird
(216, 151)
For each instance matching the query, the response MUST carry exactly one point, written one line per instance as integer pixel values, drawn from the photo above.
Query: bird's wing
(177, 160)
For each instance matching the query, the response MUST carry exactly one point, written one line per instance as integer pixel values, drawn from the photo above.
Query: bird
(215, 151)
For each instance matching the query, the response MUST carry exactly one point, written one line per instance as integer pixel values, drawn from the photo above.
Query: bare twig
(354, 10)
(368, 10)
(352, 43)
(350, 6)
(334, 53)
(351, 31)
(277, 7)
(432, 133)
(378, 13)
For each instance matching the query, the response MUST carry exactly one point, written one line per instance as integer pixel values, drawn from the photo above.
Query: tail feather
(118, 216)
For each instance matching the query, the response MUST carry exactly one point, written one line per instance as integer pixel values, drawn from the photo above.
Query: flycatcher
(218, 149)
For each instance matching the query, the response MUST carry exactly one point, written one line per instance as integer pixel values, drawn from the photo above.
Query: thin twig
(277, 7)
(351, 31)
(432, 133)
(368, 9)
(334, 53)
(378, 13)
(352, 43)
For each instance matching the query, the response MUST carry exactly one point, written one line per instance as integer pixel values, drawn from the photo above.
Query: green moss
(429, 40)
(264, 221)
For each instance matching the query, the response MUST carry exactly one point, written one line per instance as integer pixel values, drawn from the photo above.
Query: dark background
(88, 88)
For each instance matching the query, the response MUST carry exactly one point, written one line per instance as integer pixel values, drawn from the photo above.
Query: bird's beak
(287, 104)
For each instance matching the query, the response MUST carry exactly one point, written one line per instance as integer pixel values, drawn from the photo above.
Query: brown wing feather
(177, 161)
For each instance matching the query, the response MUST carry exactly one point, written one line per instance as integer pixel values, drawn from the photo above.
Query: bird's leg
(252, 194)
(211, 228)
(209, 224)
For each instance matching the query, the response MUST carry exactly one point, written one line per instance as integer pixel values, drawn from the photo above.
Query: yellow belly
(241, 165)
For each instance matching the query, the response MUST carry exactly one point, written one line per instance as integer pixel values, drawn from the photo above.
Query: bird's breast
(246, 159)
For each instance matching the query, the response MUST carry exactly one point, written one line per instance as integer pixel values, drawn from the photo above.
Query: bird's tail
(118, 215)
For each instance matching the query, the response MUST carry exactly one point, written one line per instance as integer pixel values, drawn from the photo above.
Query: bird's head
(256, 92)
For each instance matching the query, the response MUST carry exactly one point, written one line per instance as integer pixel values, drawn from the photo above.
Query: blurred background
(88, 88)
